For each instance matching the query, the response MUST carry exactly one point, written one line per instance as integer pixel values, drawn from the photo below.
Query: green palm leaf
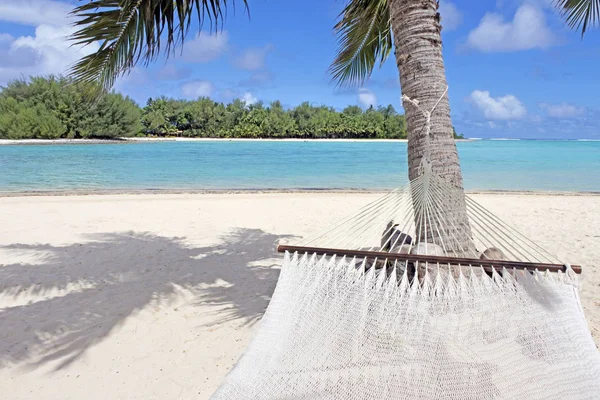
(364, 36)
(134, 31)
(579, 14)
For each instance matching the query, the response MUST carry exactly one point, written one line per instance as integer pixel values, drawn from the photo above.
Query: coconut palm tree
(132, 32)
(579, 14)
(368, 31)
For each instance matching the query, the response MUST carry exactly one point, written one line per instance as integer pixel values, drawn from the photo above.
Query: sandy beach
(155, 296)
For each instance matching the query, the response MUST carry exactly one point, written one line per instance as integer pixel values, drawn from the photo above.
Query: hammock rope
(396, 222)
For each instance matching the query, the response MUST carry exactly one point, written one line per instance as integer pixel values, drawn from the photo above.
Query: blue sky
(513, 68)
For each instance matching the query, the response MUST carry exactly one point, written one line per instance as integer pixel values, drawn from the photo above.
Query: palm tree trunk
(418, 49)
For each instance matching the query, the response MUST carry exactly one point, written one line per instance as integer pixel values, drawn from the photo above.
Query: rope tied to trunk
(425, 165)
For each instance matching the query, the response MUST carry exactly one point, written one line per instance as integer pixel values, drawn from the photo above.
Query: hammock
(391, 304)
(412, 299)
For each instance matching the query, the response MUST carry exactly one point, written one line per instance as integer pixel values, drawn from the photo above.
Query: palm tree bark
(418, 49)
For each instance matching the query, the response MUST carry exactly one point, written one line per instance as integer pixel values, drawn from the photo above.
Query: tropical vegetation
(57, 107)
(206, 118)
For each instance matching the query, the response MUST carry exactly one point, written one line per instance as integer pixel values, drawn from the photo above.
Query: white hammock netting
(398, 327)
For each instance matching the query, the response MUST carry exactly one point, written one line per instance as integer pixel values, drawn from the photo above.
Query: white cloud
(48, 52)
(171, 72)
(549, 4)
(562, 110)
(229, 94)
(502, 108)
(52, 47)
(527, 30)
(195, 89)
(366, 98)
(5, 37)
(136, 77)
(253, 59)
(258, 78)
(536, 118)
(248, 98)
(451, 17)
(35, 12)
(205, 47)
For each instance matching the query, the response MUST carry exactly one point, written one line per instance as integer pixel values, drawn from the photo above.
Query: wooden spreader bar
(473, 262)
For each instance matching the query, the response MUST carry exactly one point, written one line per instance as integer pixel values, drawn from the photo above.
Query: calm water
(507, 165)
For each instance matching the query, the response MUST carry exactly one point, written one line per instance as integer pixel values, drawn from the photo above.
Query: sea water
(487, 165)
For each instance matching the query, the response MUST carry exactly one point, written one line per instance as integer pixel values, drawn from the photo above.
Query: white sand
(156, 296)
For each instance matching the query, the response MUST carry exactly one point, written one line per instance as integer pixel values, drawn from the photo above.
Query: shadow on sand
(120, 274)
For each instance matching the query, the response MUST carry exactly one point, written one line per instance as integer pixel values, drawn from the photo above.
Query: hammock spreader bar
(466, 262)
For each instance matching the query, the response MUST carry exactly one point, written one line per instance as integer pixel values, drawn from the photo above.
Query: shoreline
(117, 192)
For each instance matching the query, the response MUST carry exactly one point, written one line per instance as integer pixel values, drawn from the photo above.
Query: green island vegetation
(56, 107)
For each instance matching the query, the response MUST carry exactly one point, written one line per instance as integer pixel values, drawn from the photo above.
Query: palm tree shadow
(91, 289)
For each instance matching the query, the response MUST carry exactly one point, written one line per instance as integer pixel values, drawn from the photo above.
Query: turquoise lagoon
(487, 165)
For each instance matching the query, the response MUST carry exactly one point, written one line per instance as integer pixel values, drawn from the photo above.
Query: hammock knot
(427, 122)
(427, 114)
(411, 101)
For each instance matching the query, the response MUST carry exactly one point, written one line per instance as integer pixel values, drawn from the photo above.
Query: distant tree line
(55, 107)
(207, 118)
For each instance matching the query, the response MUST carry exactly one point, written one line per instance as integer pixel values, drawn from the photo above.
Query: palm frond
(134, 31)
(364, 36)
(579, 14)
